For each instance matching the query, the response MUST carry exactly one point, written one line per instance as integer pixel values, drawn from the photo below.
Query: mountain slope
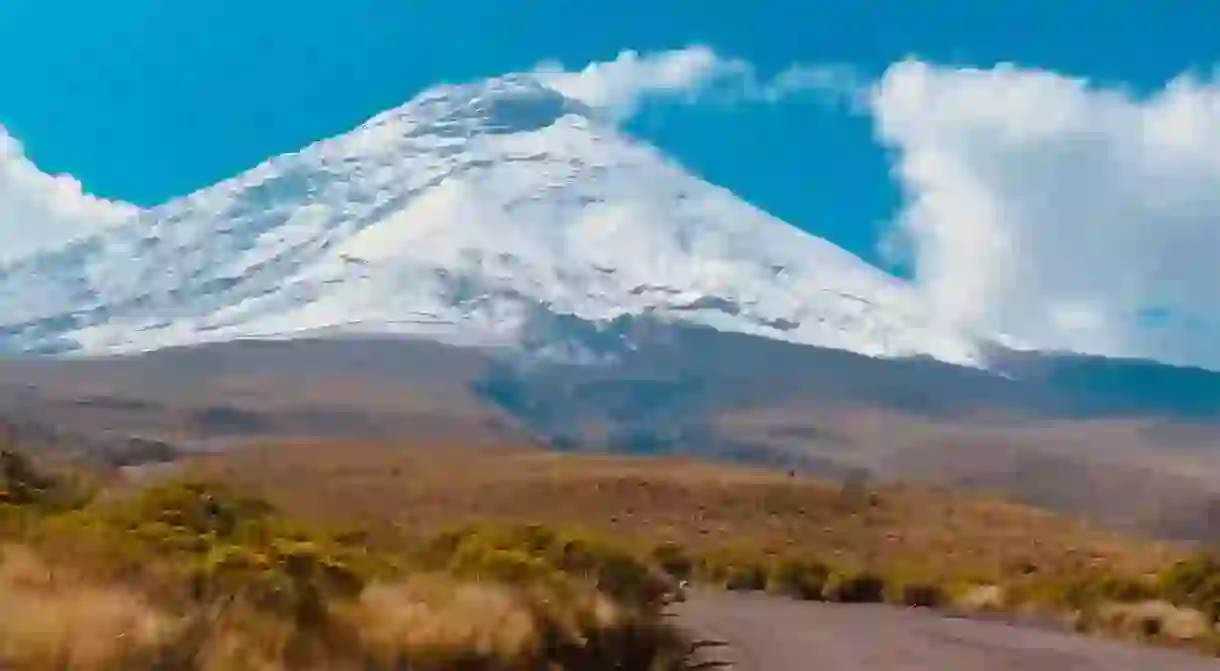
(689, 391)
(464, 215)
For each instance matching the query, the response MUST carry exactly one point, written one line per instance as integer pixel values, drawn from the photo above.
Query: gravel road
(755, 632)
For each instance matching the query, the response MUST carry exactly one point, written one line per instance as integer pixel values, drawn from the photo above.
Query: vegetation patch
(195, 575)
(199, 574)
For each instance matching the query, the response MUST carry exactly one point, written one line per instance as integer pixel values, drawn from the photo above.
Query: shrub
(201, 509)
(917, 595)
(535, 554)
(748, 577)
(674, 560)
(799, 578)
(295, 579)
(432, 622)
(1154, 619)
(1194, 582)
(732, 569)
(207, 544)
(22, 485)
(855, 587)
(614, 570)
(510, 565)
(1088, 591)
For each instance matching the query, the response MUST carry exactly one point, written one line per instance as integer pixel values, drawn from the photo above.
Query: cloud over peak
(691, 74)
(39, 210)
(1064, 214)
(1056, 212)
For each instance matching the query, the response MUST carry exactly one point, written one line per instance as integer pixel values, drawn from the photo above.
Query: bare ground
(756, 632)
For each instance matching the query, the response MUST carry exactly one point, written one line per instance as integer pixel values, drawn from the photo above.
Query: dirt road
(754, 632)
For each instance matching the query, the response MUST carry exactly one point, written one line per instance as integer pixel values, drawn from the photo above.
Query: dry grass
(750, 529)
(436, 622)
(1147, 619)
(981, 599)
(433, 620)
(495, 596)
(52, 619)
(200, 576)
(921, 531)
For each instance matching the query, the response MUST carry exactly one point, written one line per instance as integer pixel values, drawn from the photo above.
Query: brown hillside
(394, 487)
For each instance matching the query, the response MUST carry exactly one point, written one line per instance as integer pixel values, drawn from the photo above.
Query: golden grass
(52, 619)
(436, 621)
(198, 576)
(1155, 618)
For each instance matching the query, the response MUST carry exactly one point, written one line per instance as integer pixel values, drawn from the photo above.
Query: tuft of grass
(675, 560)
(803, 579)
(535, 554)
(855, 586)
(735, 568)
(437, 623)
(50, 618)
(916, 594)
(1194, 581)
(1152, 620)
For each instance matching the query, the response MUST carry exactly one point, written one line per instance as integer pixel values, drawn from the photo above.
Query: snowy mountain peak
(511, 104)
(464, 215)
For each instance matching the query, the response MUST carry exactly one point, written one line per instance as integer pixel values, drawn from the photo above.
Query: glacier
(459, 216)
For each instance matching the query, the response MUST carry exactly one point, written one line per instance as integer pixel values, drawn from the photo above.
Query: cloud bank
(692, 74)
(1054, 212)
(1062, 214)
(38, 210)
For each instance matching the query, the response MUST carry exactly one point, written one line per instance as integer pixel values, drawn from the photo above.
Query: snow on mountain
(457, 216)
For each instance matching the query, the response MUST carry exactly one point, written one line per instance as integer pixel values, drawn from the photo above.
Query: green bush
(733, 570)
(534, 553)
(202, 509)
(855, 587)
(294, 579)
(747, 578)
(674, 560)
(22, 485)
(1094, 588)
(515, 566)
(614, 570)
(1194, 582)
(209, 544)
(799, 578)
(916, 595)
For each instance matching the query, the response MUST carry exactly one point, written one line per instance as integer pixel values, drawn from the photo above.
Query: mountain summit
(460, 216)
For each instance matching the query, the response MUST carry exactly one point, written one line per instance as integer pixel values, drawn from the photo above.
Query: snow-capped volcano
(457, 216)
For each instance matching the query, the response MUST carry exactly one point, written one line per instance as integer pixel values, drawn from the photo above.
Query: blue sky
(146, 99)
(1062, 200)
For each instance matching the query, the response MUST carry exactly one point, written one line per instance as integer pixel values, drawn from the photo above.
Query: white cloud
(1056, 212)
(694, 73)
(1064, 214)
(38, 210)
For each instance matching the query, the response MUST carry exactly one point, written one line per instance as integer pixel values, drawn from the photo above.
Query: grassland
(701, 506)
(189, 575)
(757, 529)
(344, 555)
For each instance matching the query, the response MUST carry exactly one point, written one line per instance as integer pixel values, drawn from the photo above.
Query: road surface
(756, 632)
